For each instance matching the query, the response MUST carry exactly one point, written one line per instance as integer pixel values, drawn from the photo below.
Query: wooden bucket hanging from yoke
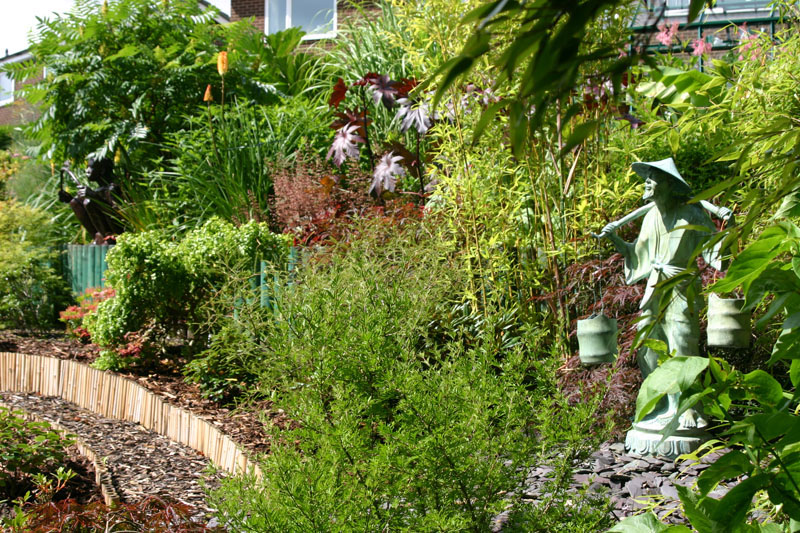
(597, 334)
(728, 325)
(597, 339)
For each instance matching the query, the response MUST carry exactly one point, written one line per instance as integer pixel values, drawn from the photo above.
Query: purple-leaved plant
(352, 125)
(413, 115)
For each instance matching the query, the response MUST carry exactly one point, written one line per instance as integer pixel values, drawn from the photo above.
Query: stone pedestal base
(648, 442)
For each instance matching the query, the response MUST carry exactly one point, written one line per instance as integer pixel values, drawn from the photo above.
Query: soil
(244, 424)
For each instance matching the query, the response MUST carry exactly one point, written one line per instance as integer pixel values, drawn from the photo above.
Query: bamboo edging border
(101, 475)
(113, 396)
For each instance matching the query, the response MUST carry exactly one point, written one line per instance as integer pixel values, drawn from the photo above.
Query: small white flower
(385, 176)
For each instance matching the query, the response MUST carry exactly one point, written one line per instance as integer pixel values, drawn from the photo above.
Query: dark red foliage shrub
(73, 315)
(149, 515)
(596, 286)
(137, 346)
(308, 196)
(319, 206)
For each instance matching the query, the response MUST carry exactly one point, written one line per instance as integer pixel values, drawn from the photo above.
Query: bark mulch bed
(142, 463)
(245, 424)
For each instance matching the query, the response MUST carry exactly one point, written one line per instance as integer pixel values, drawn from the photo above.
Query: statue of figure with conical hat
(672, 230)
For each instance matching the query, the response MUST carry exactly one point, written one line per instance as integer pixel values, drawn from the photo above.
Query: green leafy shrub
(31, 289)
(146, 60)
(390, 436)
(228, 368)
(29, 448)
(161, 284)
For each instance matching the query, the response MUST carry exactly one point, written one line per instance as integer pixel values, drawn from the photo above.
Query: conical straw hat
(665, 167)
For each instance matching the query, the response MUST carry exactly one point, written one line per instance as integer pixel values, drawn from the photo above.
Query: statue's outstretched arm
(611, 227)
(720, 212)
(609, 231)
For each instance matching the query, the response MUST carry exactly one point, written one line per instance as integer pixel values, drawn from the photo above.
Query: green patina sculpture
(672, 231)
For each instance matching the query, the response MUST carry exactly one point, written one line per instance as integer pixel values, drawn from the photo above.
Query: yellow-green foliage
(432, 33)
(9, 165)
(31, 291)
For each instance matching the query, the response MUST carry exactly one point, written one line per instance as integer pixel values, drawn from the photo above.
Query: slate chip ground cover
(630, 482)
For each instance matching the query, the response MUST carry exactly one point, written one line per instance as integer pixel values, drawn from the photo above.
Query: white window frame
(288, 22)
(9, 100)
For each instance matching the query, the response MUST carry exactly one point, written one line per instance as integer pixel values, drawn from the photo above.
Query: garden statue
(672, 231)
(94, 208)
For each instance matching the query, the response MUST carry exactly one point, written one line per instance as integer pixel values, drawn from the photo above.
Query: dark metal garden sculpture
(96, 208)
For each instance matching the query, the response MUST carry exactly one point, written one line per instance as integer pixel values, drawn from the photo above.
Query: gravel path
(141, 462)
(631, 482)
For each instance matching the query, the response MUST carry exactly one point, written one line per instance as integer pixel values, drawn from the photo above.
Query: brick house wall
(19, 111)
(345, 11)
(242, 9)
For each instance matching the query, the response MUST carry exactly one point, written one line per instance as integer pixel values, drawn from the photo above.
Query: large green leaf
(646, 523)
(675, 375)
(776, 278)
(786, 347)
(762, 427)
(783, 490)
(673, 86)
(730, 465)
(698, 510)
(765, 389)
(794, 373)
(695, 6)
(734, 506)
(754, 259)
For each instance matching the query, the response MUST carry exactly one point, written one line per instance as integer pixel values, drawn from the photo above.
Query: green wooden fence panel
(270, 288)
(86, 266)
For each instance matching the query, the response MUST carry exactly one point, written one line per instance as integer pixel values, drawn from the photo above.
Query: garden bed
(82, 487)
(244, 424)
(141, 463)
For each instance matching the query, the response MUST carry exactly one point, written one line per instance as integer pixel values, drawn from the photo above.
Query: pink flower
(344, 145)
(666, 34)
(743, 32)
(747, 46)
(700, 47)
